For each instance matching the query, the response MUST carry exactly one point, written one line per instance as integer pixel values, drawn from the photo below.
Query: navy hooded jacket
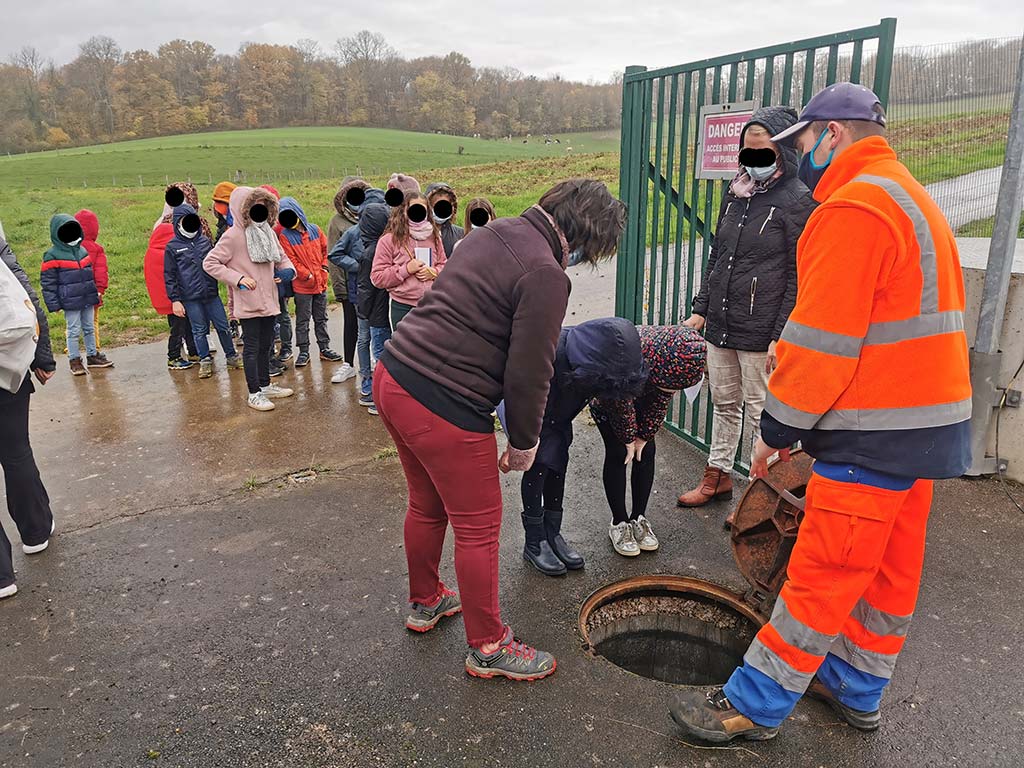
(348, 253)
(373, 301)
(183, 263)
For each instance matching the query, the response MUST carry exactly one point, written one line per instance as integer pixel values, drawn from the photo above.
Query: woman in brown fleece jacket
(485, 332)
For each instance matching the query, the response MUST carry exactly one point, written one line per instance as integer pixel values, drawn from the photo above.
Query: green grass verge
(983, 228)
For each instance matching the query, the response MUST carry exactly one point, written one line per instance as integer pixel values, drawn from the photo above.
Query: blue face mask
(761, 174)
(810, 172)
(575, 257)
(230, 219)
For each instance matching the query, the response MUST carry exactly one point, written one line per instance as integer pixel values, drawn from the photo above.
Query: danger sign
(719, 138)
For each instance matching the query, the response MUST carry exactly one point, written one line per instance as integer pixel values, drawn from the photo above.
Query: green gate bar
(672, 212)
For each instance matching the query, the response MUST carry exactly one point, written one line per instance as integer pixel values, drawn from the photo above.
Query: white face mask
(75, 242)
(188, 235)
(762, 174)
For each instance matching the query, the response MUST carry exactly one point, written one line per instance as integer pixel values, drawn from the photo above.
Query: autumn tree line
(108, 94)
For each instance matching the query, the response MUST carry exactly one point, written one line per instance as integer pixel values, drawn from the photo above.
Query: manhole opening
(674, 629)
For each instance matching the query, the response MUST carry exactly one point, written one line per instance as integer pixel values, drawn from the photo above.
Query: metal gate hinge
(1012, 398)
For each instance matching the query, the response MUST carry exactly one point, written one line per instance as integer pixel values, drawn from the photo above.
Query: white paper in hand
(426, 255)
(692, 392)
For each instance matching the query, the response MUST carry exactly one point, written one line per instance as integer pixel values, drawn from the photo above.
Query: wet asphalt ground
(227, 588)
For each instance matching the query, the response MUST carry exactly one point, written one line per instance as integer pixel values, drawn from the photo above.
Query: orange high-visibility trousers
(844, 612)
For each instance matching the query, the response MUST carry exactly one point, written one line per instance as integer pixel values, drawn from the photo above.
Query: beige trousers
(734, 377)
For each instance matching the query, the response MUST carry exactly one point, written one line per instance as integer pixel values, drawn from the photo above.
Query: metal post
(985, 357)
(883, 63)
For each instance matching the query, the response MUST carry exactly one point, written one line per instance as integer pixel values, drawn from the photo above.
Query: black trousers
(259, 339)
(27, 502)
(614, 476)
(311, 306)
(181, 331)
(351, 331)
(542, 488)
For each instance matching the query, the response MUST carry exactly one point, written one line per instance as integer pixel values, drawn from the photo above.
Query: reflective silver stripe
(838, 344)
(877, 664)
(789, 415)
(764, 659)
(798, 634)
(925, 241)
(916, 417)
(878, 621)
(919, 327)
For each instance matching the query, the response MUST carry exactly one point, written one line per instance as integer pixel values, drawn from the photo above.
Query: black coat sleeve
(44, 354)
(795, 221)
(700, 301)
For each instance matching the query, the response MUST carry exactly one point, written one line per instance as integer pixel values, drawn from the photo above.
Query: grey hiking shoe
(205, 368)
(862, 721)
(708, 715)
(424, 618)
(514, 659)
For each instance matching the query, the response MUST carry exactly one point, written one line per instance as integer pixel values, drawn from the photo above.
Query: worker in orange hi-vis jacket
(873, 379)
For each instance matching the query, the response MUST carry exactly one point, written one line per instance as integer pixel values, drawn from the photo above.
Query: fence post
(986, 357)
(630, 190)
(883, 63)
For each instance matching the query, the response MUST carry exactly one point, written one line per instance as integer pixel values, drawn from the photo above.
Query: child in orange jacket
(306, 247)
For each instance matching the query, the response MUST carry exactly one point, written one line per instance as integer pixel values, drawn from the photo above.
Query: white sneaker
(344, 373)
(260, 402)
(275, 392)
(35, 550)
(623, 539)
(645, 537)
(8, 591)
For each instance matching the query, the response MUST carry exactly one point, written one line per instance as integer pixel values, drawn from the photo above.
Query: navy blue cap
(841, 101)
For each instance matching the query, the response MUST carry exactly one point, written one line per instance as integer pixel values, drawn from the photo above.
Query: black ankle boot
(563, 550)
(537, 550)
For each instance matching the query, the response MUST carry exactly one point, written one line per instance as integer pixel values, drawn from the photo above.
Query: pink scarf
(423, 230)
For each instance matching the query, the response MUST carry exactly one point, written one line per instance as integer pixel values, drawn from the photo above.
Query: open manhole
(670, 628)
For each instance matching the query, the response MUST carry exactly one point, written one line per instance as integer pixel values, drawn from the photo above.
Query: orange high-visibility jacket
(873, 365)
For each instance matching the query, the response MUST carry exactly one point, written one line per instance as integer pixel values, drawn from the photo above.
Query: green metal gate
(670, 226)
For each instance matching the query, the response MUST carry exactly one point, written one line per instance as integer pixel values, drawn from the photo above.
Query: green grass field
(513, 176)
(273, 155)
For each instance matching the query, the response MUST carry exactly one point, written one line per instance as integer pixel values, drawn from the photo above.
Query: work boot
(709, 716)
(537, 551)
(862, 721)
(716, 486)
(563, 550)
(514, 659)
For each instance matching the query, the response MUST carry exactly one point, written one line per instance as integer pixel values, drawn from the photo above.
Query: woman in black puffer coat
(748, 289)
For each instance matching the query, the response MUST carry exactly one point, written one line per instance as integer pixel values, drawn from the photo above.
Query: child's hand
(178, 309)
(248, 283)
(415, 266)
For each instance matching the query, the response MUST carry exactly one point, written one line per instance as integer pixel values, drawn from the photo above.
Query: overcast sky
(578, 39)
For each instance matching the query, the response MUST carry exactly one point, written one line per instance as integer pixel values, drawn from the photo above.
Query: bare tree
(364, 47)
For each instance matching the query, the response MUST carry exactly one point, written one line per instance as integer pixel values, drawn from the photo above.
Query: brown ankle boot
(716, 485)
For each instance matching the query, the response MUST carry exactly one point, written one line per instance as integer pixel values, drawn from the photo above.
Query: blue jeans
(80, 323)
(200, 315)
(363, 355)
(377, 338)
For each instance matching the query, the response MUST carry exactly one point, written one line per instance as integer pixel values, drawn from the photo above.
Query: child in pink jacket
(409, 256)
(249, 260)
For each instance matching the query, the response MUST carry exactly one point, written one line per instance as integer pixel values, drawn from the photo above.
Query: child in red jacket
(90, 231)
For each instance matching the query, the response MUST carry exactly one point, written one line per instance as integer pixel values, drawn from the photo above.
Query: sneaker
(9, 591)
(332, 357)
(193, 358)
(35, 549)
(623, 539)
(99, 360)
(862, 721)
(366, 401)
(284, 356)
(235, 361)
(710, 716)
(344, 373)
(372, 410)
(77, 369)
(302, 360)
(205, 368)
(180, 364)
(275, 392)
(424, 618)
(643, 534)
(234, 329)
(514, 659)
(275, 368)
(259, 402)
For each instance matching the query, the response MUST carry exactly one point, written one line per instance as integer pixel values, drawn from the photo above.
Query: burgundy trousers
(452, 476)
